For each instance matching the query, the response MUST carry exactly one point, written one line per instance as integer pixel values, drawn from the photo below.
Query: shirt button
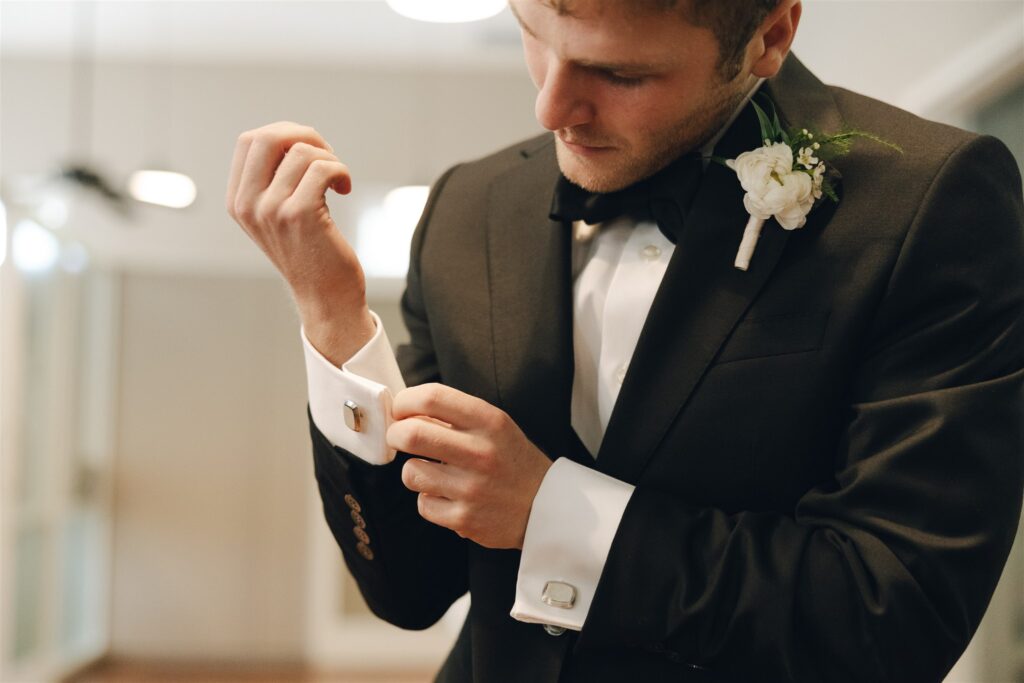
(554, 630)
(650, 252)
(620, 374)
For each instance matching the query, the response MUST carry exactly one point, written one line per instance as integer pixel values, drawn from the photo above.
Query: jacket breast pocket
(774, 335)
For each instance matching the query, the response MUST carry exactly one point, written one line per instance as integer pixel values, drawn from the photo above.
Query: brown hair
(732, 21)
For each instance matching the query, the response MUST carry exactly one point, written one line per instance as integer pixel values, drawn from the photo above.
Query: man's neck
(709, 146)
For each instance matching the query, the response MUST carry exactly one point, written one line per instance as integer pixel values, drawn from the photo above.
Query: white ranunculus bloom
(772, 187)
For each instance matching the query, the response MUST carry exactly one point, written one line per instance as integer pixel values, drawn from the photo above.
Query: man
(644, 463)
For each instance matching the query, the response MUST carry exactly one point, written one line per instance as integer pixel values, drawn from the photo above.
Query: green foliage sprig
(807, 144)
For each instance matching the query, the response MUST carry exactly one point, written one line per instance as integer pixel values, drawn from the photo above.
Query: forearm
(336, 325)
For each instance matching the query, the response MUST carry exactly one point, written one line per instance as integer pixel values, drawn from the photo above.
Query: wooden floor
(141, 672)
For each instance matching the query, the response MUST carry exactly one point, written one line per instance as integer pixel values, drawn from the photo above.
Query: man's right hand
(276, 191)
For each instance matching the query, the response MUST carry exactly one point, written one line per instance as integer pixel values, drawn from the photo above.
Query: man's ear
(771, 42)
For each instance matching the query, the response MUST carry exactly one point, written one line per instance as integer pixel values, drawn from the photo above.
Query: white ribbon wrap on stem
(749, 241)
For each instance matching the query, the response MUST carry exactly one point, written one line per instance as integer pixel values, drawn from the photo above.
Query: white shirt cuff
(369, 379)
(572, 523)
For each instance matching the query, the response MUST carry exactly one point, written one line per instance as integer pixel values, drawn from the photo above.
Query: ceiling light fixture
(384, 231)
(165, 188)
(34, 249)
(447, 11)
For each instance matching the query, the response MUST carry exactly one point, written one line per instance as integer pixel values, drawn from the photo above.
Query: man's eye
(625, 81)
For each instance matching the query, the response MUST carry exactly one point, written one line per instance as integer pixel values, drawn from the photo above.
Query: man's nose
(561, 101)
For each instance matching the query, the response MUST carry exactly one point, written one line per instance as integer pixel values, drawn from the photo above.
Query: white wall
(390, 127)
(213, 463)
(210, 521)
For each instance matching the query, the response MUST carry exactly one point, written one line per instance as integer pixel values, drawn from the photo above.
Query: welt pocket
(775, 335)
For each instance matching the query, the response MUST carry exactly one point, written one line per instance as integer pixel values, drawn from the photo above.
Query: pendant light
(447, 11)
(156, 184)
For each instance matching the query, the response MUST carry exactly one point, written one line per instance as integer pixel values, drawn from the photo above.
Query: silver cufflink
(353, 416)
(559, 594)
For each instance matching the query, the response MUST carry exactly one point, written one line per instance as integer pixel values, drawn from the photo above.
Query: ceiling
(347, 32)
(907, 52)
(895, 43)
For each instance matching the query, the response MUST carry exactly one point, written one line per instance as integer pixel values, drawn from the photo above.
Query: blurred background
(158, 513)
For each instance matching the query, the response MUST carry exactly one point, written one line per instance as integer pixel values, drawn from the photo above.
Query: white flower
(772, 187)
(818, 178)
(806, 158)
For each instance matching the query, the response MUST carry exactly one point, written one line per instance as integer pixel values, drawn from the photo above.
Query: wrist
(542, 471)
(338, 334)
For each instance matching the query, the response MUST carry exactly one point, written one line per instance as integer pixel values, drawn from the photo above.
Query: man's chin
(594, 174)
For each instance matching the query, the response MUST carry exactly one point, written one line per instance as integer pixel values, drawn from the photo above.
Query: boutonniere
(787, 176)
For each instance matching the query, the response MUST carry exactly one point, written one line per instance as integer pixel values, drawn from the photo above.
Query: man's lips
(580, 148)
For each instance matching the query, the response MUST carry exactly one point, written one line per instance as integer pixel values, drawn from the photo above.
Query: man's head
(629, 85)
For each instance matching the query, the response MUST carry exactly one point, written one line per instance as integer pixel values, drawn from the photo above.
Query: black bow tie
(664, 197)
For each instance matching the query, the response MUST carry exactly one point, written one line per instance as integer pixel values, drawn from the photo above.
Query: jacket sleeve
(408, 570)
(884, 573)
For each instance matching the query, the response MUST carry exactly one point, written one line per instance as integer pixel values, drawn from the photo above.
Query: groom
(642, 462)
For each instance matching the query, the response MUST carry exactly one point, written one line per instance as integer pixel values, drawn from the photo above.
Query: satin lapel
(702, 295)
(529, 261)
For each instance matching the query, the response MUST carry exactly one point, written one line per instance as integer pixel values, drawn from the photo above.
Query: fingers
(321, 174)
(257, 155)
(439, 496)
(235, 175)
(298, 163)
(425, 437)
(441, 402)
(432, 478)
(443, 512)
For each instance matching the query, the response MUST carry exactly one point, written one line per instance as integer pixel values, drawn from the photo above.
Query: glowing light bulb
(384, 231)
(164, 188)
(447, 11)
(34, 249)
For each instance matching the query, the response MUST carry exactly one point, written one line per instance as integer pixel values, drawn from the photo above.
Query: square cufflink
(353, 416)
(559, 594)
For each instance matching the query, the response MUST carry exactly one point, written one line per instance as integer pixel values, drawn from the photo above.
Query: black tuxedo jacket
(826, 448)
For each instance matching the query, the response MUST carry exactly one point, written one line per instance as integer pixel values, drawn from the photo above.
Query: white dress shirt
(617, 268)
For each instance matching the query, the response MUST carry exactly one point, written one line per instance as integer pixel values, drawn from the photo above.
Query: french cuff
(351, 405)
(568, 535)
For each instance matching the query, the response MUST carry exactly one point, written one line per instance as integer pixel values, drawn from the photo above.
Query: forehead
(570, 7)
(614, 30)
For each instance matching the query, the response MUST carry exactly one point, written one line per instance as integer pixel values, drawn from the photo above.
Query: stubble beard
(623, 167)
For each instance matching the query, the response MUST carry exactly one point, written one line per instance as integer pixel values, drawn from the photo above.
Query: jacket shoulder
(494, 164)
(917, 136)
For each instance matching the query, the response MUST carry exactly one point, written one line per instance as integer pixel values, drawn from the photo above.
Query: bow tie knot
(664, 197)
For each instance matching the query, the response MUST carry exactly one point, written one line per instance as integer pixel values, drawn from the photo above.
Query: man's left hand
(488, 474)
